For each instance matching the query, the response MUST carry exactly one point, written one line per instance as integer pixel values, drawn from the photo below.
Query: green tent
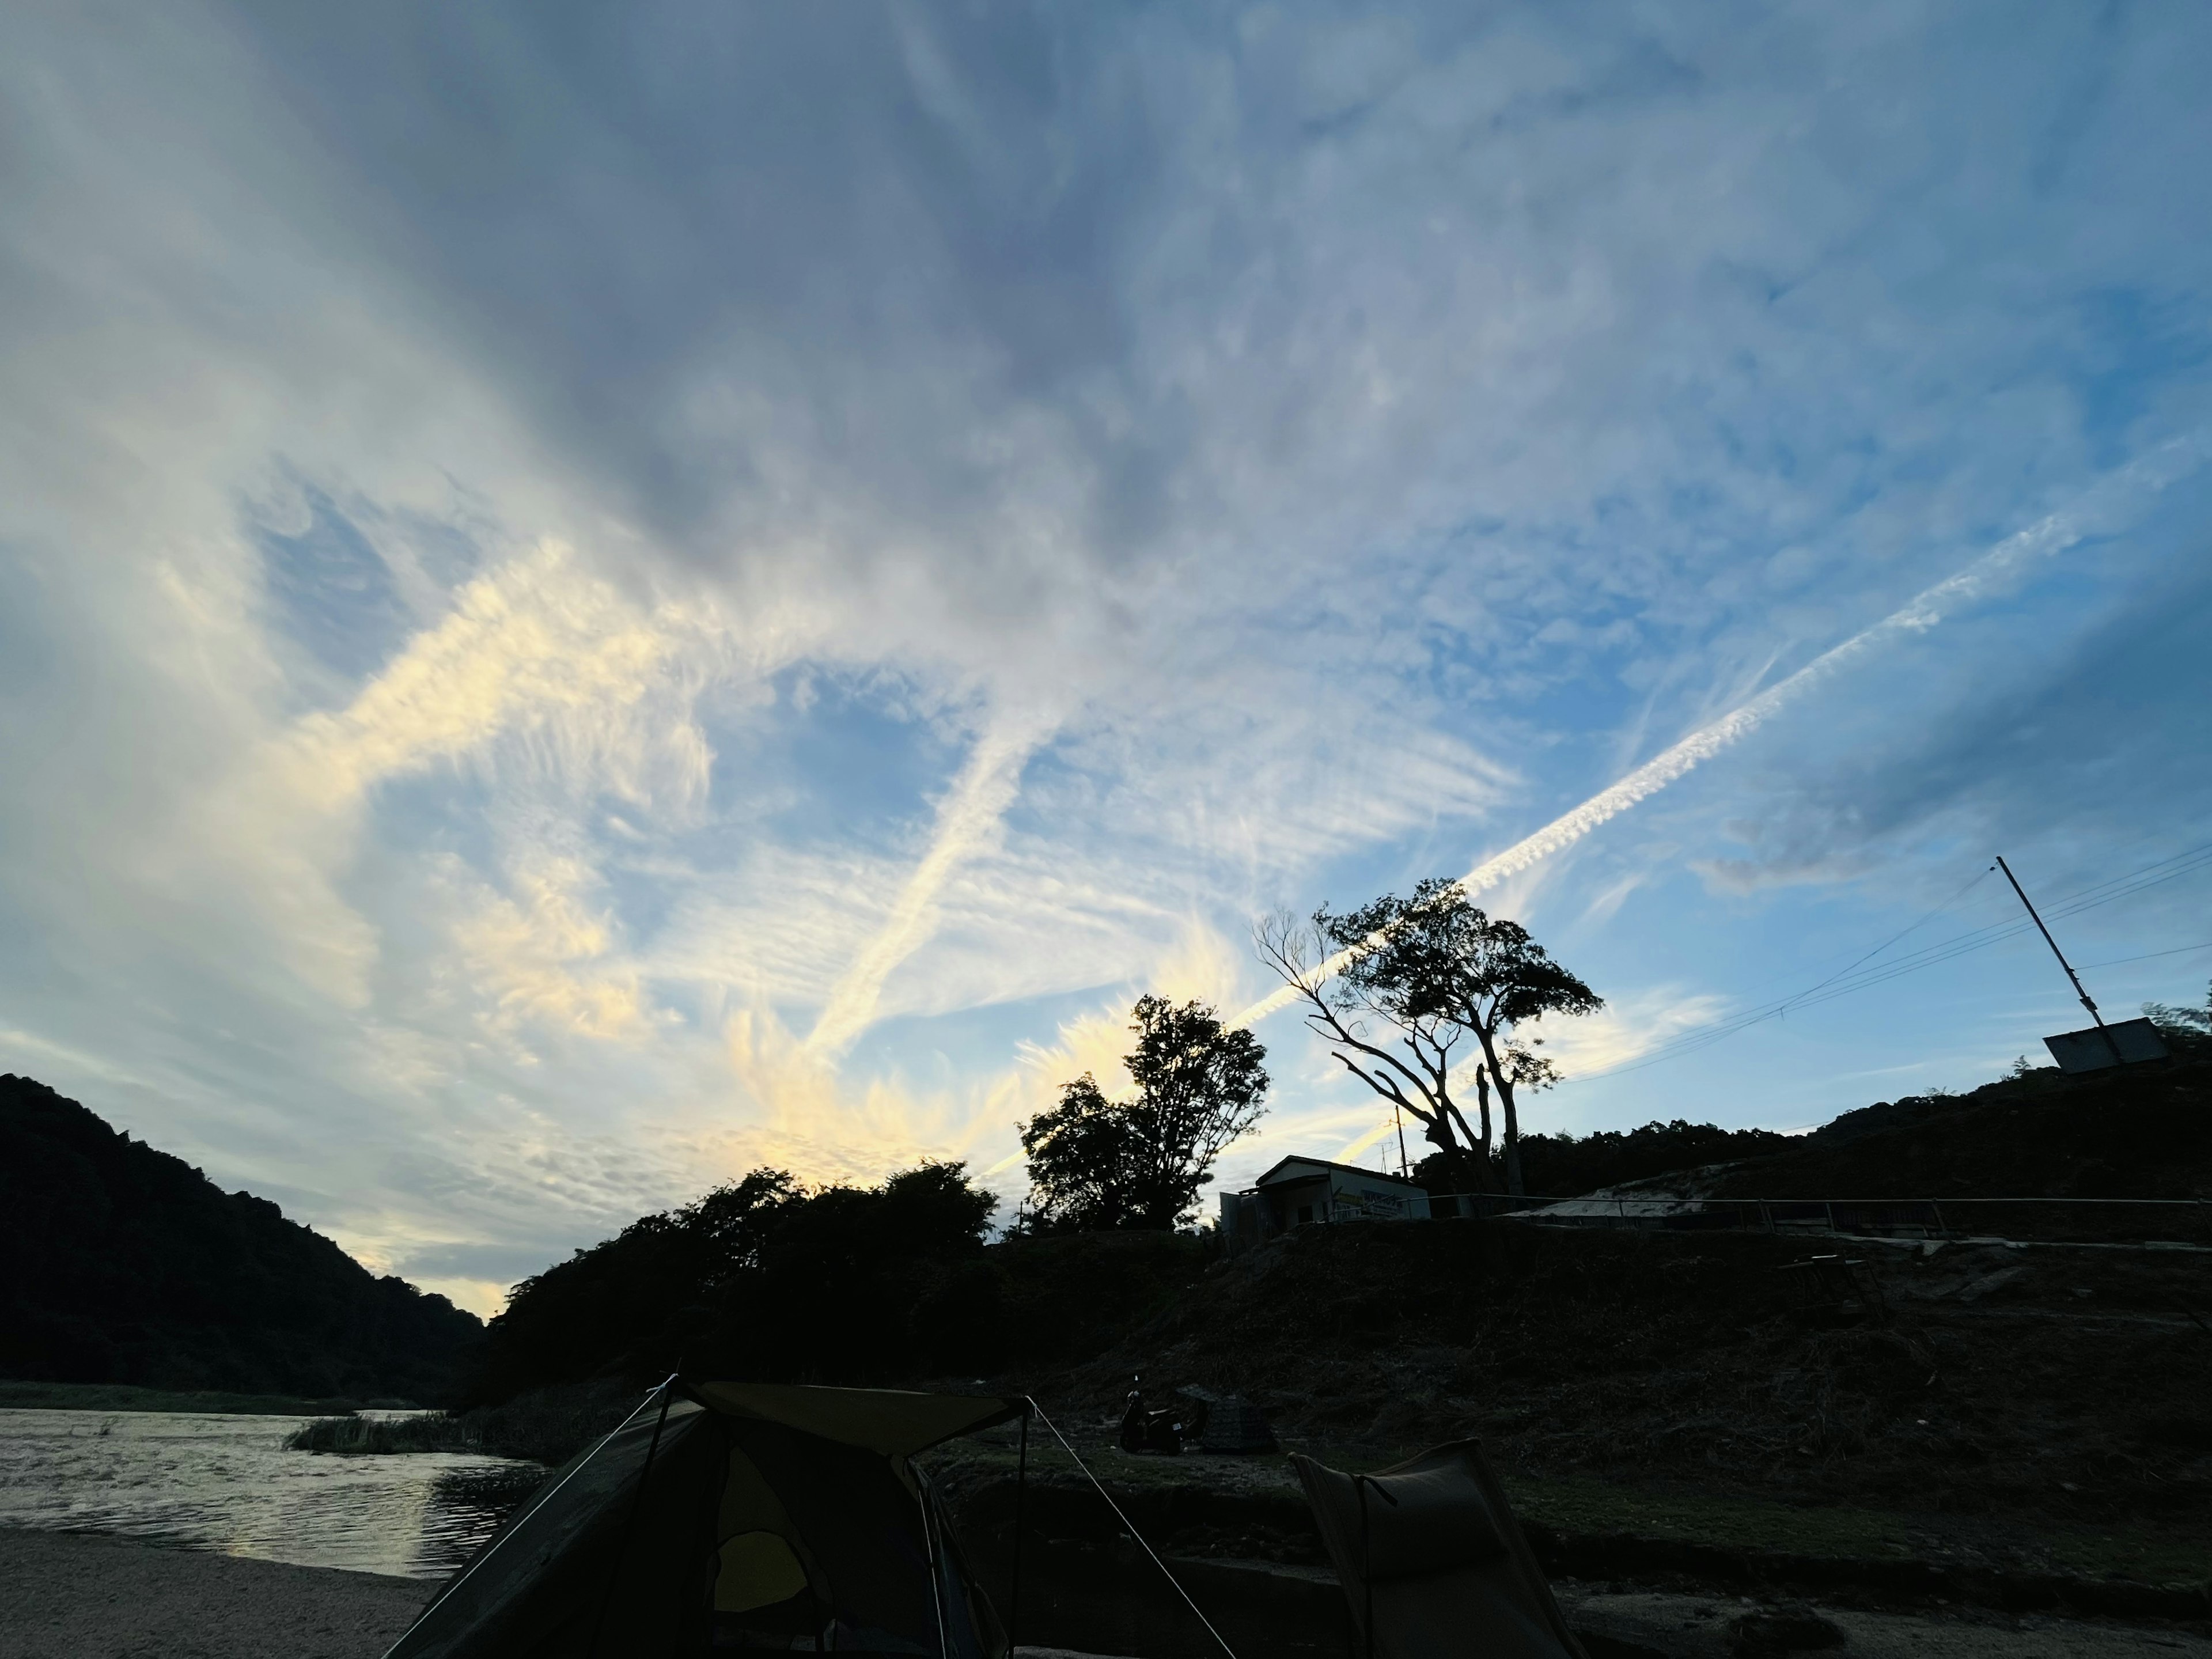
(724, 1516)
(1433, 1560)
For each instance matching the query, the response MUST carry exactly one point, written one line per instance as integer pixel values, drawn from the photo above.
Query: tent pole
(630, 1525)
(1021, 1491)
(936, 1575)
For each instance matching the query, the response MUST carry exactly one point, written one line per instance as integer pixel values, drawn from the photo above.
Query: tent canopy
(890, 1421)
(727, 1517)
(1433, 1561)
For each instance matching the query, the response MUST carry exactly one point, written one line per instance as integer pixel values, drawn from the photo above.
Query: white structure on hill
(1306, 1191)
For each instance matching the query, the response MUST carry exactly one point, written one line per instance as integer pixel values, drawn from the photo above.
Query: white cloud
(1211, 468)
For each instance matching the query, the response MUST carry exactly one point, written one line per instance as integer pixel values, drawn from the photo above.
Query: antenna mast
(2073, 977)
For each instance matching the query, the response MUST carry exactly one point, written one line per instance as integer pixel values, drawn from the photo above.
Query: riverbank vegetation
(541, 1425)
(424, 1431)
(123, 1397)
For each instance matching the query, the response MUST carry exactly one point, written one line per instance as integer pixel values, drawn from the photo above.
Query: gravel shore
(66, 1596)
(70, 1595)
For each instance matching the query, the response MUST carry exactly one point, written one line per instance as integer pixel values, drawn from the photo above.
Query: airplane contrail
(965, 822)
(2060, 530)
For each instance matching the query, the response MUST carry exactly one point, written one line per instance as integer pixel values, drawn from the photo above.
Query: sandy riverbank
(68, 1596)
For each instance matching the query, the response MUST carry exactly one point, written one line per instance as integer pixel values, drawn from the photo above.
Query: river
(226, 1484)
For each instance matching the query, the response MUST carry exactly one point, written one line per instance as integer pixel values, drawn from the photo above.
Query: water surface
(226, 1484)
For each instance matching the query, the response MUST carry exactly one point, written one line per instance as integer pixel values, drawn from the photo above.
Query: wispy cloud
(423, 529)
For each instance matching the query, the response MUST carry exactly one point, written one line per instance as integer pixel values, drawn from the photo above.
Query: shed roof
(1296, 1168)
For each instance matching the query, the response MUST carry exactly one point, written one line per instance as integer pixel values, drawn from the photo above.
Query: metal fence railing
(2086, 1220)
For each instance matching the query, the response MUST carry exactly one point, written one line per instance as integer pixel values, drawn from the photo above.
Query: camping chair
(727, 1517)
(1433, 1562)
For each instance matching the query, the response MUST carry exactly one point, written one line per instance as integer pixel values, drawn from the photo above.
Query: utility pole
(2073, 977)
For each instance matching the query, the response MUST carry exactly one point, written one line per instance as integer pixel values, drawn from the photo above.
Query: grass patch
(2141, 1552)
(1594, 1506)
(2161, 1555)
(125, 1397)
(547, 1425)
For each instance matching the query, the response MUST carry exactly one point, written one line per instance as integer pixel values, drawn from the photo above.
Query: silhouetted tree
(1431, 970)
(1083, 1161)
(2187, 1031)
(761, 1278)
(1098, 1163)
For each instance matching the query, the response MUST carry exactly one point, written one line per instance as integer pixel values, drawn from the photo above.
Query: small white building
(1307, 1191)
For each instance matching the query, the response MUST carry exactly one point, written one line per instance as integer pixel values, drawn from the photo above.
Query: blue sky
(590, 598)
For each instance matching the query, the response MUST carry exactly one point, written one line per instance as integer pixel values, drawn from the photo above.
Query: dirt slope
(2074, 1385)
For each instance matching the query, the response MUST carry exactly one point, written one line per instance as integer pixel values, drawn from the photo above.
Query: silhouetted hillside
(2143, 1132)
(1567, 1165)
(122, 1264)
(1988, 1379)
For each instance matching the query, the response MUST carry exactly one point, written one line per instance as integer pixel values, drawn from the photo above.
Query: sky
(593, 597)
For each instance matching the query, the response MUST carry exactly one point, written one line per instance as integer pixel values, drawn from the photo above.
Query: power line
(1854, 977)
(1971, 882)
(2178, 950)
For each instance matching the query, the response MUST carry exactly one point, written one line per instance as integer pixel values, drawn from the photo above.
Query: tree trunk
(1459, 1162)
(1482, 1098)
(1438, 1132)
(1512, 1140)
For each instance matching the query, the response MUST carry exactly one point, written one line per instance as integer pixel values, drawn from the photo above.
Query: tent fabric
(886, 1420)
(721, 1519)
(1433, 1561)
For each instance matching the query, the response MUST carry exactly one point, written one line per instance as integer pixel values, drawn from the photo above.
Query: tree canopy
(2187, 1031)
(761, 1278)
(1096, 1164)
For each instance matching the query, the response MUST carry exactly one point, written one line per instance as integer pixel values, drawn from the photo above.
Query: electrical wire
(1855, 977)
(2178, 950)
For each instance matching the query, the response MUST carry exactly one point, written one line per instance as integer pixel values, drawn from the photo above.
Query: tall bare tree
(1408, 1060)
(1430, 971)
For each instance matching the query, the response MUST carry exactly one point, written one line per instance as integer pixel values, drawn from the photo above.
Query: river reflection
(226, 1484)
